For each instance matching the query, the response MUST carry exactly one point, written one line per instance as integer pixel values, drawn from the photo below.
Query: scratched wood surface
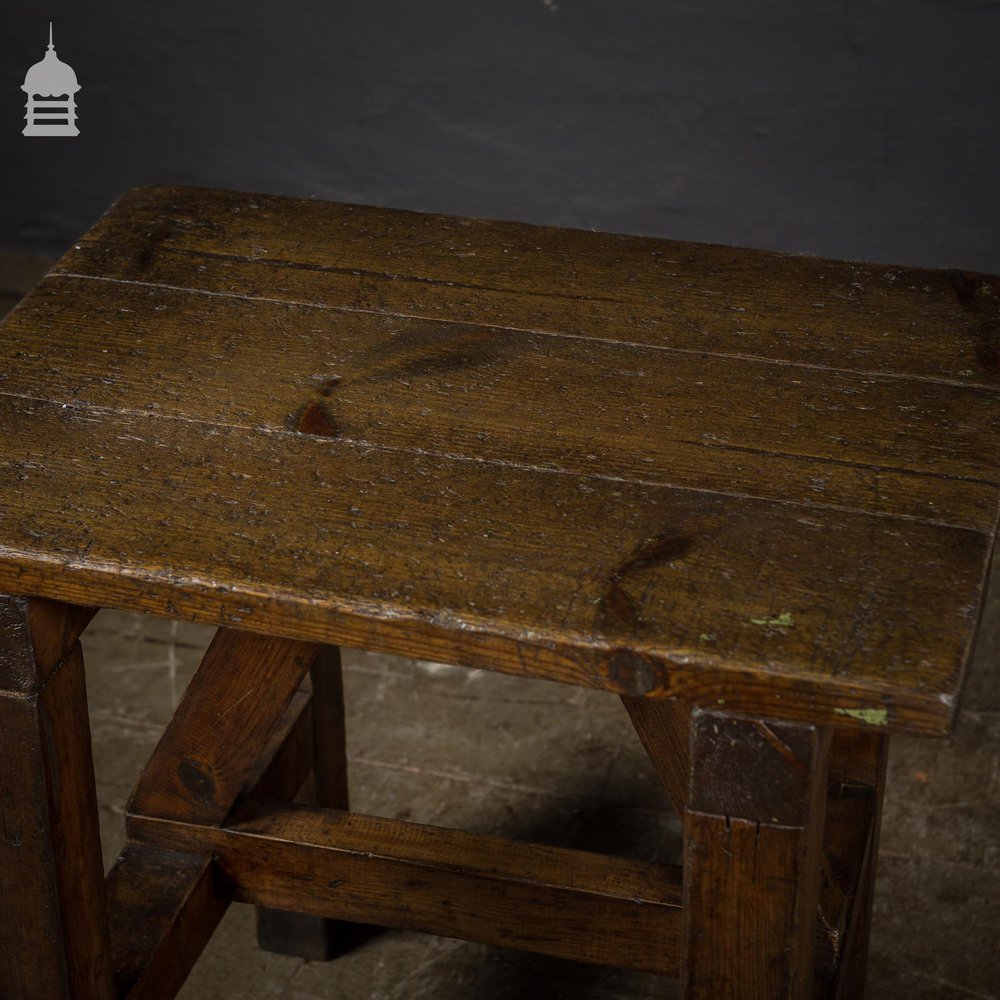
(654, 467)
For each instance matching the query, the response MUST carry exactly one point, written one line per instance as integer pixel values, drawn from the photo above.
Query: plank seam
(364, 445)
(874, 375)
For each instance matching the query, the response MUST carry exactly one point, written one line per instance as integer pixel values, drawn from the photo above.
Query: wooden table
(754, 495)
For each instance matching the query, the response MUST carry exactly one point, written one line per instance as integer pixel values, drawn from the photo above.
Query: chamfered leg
(53, 919)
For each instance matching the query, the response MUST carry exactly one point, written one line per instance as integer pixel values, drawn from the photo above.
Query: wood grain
(221, 726)
(313, 938)
(330, 731)
(287, 760)
(644, 590)
(761, 486)
(551, 900)
(730, 425)
(53, 922)
(164, 907)
(243, 701)
(752, 849)
(658, 468)
(664, 727)
(35, 637)
(690, 297)
(855, 795)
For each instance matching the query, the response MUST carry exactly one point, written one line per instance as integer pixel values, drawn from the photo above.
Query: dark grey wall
(858, 129)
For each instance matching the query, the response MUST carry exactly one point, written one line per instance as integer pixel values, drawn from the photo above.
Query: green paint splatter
(707, 637)
(967, 373)
(784, 619)
(871, 716)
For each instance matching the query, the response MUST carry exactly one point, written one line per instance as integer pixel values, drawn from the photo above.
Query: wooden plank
(570, 904)
(221, 726)
(164, 908)
(307, 936)
(753, 836)
(53, 924)
(664, 727)
(929, 324)
(640, 590)
(731, 425)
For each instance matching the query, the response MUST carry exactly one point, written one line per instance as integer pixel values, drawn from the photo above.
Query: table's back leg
(317, 938)
(854, 809)
(753, 837)
(53, 919)
(664, 727)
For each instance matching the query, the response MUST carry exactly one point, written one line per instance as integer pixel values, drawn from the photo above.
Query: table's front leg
(53, 920)
(753, 838)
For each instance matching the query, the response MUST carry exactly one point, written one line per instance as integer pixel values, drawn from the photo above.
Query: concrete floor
(538, 761)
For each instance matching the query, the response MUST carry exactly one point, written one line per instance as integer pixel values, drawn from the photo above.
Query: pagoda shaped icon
(51, 87)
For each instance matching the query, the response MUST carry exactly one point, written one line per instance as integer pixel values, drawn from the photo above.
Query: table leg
(854, 811)
(316, 938)
(753, 837)
(664, 728)
(53, 918)
(165, 907)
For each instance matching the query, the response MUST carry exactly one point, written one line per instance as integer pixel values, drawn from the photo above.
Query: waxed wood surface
(215, 749)
(658, 468)
(685, 296)
(511, 396)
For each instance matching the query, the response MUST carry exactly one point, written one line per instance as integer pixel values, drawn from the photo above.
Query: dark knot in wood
(196, 781)
(631, 673)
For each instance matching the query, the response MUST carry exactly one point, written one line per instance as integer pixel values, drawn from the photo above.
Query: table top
(748, 479)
